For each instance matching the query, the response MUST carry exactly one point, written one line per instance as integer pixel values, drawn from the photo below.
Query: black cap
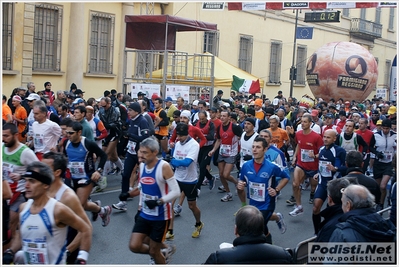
(269, 111)
(342, 113)
(375, 112)
(140, 94)
(79, 91)
(251, 120)
(220, 92)
(135, 106)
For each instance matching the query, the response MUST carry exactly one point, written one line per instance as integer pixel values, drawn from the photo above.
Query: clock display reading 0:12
(327, 16)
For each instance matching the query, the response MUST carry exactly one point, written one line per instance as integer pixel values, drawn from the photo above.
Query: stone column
(27, 46)
(76, 46)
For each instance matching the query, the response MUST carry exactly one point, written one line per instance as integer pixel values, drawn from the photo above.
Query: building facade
(83, 42)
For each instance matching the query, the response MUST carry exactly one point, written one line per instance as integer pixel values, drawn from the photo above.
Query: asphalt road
(110, 244)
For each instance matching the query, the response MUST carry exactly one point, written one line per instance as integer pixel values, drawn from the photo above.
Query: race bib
(323, 168)
(35, 252)
(245, 152)
(77, 170)
(146, 209)
(7, 170)
(305, 155)
(225, 150)
(257, 191)
(38, 141)
(131, 147)
(387, 157)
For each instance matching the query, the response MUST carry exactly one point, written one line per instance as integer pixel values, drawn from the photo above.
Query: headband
(37, 176)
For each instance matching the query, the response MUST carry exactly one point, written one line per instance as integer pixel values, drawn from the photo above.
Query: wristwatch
(277, 190)
(100, 170)
(159, 202)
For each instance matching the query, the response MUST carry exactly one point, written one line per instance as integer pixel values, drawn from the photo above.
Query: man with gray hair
(360, 222)
(60, 99)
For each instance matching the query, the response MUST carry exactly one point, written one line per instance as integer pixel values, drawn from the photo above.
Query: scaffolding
(179, 68)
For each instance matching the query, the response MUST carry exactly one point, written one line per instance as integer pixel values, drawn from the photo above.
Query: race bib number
(35, 252)
(257, 191)
(77, 170)
(387, 157)
(305, 155)
(131, 147)
(156, 129)
(225, 150)
(38, 141)
(7, 170)
(245, 152)
(146, 209)
(323, 168)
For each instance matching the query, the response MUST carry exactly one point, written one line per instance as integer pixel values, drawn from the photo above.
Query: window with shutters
(275, 62)
(211, 43)
(378, 15)
(391, 18)
(101, 44)
(245, 56)
(8, 11)
(345, 12)
(301, 65)
(47, 38)
(387, 73)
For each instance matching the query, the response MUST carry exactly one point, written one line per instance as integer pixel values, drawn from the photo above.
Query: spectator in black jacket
(334, 211)
(360, 222)
(250, 246)
(354, 162)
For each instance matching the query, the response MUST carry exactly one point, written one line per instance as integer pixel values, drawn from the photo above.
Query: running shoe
(152, 261)
(281, 223)
(297, 211)
(106, 216)
(291, 201)
(197, 230)
(198, 192)
(94, 215)
(311, 198)
(169, 236)
(228, 197)
(177, 209)
(221, 188)
(205, 182)
(211, 183)
(121, 205)
(168, 252)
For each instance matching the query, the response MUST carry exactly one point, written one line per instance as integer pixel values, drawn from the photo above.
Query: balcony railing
(365, 29)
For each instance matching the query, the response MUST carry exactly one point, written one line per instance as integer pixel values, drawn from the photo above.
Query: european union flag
(304, 33)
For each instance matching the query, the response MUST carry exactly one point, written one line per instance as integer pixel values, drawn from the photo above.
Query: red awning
(147, 32)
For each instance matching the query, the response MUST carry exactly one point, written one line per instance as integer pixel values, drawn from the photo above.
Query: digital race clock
(326, 16)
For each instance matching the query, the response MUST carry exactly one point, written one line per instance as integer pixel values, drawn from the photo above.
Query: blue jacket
(259, 182)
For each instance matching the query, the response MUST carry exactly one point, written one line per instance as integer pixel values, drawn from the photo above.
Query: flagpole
(293, 69)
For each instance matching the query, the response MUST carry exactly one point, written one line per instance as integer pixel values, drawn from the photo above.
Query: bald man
(331, 166)
(360, 222)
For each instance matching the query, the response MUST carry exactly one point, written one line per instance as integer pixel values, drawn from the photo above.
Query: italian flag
(245, 86)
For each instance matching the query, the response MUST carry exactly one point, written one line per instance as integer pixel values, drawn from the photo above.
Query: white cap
(227, 105)
(185, 113)
(195, 103)
(33, 96)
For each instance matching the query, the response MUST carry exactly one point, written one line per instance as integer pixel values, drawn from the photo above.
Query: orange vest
(161, 130)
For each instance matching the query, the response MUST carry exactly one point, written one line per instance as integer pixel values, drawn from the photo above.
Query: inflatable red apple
(342, 70)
